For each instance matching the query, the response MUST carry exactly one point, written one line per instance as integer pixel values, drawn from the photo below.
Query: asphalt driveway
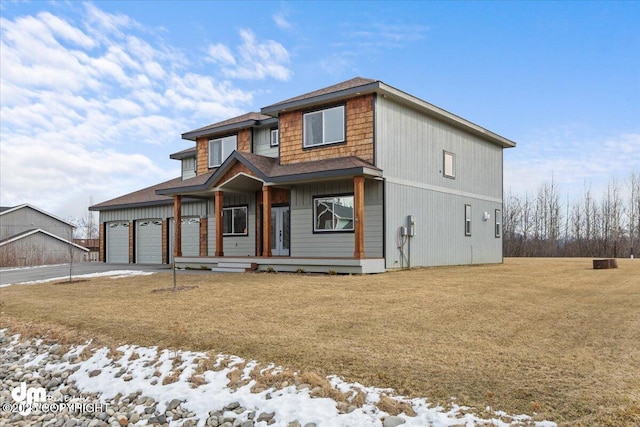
(13, 275)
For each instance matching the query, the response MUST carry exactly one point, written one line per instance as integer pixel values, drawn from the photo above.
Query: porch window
(220, 149)
(323, 127)
(235, 221)
(333, 213)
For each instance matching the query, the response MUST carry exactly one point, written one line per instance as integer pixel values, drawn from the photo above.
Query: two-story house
(357, 177)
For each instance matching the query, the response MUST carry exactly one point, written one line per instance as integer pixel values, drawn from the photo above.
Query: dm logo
(26, 397)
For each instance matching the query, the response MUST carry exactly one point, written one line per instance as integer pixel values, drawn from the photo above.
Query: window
(498, 226)
(235, 221)
(275, 137)
(448, 167)
(323, 127)
(467, 220)
(188, 167)
(333, 213)
(220, 149)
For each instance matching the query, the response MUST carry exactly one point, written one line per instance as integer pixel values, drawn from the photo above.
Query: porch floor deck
(290, 264)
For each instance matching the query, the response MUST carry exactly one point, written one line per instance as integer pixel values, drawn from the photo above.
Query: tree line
(542, 225)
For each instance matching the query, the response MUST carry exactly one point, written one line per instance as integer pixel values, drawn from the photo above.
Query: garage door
(190, 237)
(149, 241)
(118, 242)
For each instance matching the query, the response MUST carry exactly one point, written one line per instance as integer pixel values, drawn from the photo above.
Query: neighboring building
(30, 236)
(94, 248)
(356, 177)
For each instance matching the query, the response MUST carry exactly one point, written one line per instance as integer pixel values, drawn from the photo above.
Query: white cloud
(572, 158)
(79, 118)
(221, 53)
(281, 20)
(256, 60)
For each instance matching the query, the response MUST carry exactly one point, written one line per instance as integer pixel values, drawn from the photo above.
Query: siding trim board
(442, 189)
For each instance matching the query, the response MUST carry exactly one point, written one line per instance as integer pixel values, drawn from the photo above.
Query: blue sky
(95, 95)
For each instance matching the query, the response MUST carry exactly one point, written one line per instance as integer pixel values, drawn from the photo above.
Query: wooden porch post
(358, 212)
(204, 234)
(177, 226)
(266, 221)
(219, 200)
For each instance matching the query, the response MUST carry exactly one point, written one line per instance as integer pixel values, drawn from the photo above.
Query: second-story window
(275, 137)
(323, 127)
(220, 149)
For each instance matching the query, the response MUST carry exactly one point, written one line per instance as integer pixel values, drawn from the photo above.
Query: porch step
(235, 267)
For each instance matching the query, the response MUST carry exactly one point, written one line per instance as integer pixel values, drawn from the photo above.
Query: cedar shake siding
(244, 140)
(359, 135)
(202, 147)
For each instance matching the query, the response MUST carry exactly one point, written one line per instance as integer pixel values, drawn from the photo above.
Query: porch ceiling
(241, 183)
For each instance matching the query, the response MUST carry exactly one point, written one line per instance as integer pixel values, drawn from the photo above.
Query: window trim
(467, 220)
(451, 175)
(271, 143)
(333, 230)
(323, 110)
(246, 228)
(497, 227)
(223, 155)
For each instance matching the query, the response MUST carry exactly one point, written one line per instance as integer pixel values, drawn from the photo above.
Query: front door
(280, 231)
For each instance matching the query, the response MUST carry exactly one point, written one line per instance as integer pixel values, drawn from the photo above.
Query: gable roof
(270, 171)
(144, 197)
(363, 86)
(189, 152)
(28, 233)
(6, 211)
(233, 124)
(332, 90)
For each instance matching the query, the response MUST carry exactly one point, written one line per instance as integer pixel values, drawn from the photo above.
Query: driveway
(29, 274)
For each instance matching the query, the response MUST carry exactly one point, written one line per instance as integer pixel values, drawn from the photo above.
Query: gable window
(448, 167)
(275, 137)
(323, 127)
(498, 224)
(333, 213)
(467, 220)
(235, 221)
(220, 149)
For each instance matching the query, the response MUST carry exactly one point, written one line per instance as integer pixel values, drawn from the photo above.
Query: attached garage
(190, 237)
(149, 241)
(117, 245)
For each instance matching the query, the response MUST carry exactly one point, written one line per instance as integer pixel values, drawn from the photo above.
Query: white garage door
(117, 245)
(149, 241)
(190, 237)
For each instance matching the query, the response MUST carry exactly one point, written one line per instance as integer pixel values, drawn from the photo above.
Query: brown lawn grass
(550, 336)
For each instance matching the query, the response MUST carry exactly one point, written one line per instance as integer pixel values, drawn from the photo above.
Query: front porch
(289, 264)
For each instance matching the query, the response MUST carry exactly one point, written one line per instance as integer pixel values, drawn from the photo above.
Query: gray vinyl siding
(26, 219)
(306, 243)
(440, 238)
(235, 245)
(262, 143)
(198, 209)
(410, 146)
(39, 249)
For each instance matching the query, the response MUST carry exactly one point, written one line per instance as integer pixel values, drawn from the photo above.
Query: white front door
(280, 231)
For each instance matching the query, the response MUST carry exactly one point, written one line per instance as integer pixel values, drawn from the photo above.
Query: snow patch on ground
(116, 274)
(142, 369)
